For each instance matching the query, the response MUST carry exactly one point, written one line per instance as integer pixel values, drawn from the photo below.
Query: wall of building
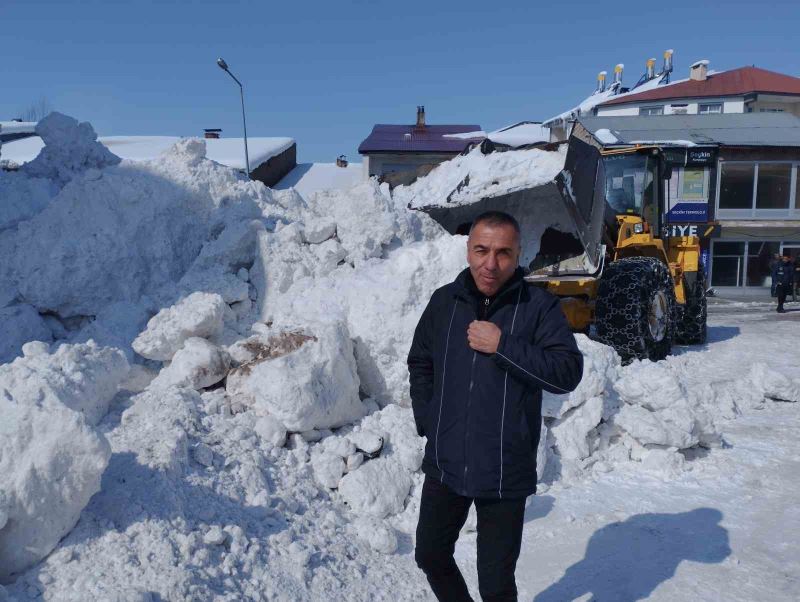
(382, 163)
(673, 107)
(758, 106)
(272, 171)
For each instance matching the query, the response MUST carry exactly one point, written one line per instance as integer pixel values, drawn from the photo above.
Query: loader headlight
(638, 228)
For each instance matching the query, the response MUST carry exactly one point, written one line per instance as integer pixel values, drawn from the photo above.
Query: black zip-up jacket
(783, 273)
(482, 412)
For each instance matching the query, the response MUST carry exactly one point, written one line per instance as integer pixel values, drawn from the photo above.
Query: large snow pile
(251, 422)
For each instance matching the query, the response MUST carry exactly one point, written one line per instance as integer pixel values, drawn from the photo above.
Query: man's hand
(483, 336)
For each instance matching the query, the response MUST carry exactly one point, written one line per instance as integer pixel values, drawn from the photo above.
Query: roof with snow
(386, 138)
(728, 129)
(735, 82)
(516, 135)
(227, 151)
(15, 130)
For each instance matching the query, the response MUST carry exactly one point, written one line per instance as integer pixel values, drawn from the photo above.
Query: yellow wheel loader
(593, 237)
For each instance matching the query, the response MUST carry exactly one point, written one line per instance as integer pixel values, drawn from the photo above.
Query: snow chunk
(773, 384)
(51, 463)
(83, 377)
(198, 315)
(380, 536)
(198, 364)
(157, 427)
(304, 381)
(378, 488)
(271, 431)
(70, 148)
(328, 468)
(18, 325)
(571, 432)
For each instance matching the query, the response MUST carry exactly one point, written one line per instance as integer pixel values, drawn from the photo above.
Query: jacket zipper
(469, 402)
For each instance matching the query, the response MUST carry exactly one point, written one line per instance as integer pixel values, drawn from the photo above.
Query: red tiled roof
(735, 82)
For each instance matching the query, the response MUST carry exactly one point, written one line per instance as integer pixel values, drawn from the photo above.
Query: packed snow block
(650, 385)
(217, 281)
(271, 432)
(651, 428)
(51, 463)
(381, 301)
(380, 536)
(69, 148)
(328, 468)
(601, 367)
(316, 231)
(198, 315)
(571, 432)
(23, 197)
(773, 384)
(157, 427)
(83, 377)
(305, 380)
(198, 364)
(18, 325)
(364, 216)
(378, 488)
(132, 231)
(395, 426)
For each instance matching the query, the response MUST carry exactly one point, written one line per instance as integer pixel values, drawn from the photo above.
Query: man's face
(493, 255)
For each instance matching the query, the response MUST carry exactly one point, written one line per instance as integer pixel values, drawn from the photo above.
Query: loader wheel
(635, 308)
(691, 328)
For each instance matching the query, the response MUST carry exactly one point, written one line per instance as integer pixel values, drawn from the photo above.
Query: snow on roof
(609, 96)
(733, 82)
(518, 134)
(17, 127)
(311, 177)
(409, 138)
(227, 151)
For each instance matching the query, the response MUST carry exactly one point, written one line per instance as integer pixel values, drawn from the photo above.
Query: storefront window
(759, 257)
(774, 180)
(727, 261)
(736, 185)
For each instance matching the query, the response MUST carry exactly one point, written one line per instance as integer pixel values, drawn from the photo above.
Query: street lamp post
(224, 66)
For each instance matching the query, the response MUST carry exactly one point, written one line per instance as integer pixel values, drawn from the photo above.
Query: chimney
(699, 71)
(421, 117)
(668, 61)
(618, 73)
(212, 133)
(601, 81)
(650, 67)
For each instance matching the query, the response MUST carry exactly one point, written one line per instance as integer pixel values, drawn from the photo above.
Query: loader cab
(631, 186)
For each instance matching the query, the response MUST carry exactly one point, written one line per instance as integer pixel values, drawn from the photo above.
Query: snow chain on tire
(691, 328)
(629, 289)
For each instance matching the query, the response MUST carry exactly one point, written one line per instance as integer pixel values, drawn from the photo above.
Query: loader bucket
(561, 221)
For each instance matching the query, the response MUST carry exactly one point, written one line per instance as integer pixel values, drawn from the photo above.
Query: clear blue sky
(324, 72)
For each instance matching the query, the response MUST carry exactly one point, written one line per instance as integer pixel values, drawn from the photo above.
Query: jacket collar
(468, 290)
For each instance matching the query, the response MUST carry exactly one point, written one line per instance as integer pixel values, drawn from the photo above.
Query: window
(736, 185)
(774, 183)
(759, 257)
(651, 111)
(709, 108)
(629, 183)
(727, 263)
(770, 110)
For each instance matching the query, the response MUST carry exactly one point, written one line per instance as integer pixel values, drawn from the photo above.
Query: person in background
(796, 286)
(776, 259)
(783, 280)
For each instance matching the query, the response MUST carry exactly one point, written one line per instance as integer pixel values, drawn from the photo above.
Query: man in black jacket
(783, 280)
(485, 347)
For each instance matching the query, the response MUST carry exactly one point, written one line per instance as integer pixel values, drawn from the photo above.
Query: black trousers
(781, 291)
(442, 513)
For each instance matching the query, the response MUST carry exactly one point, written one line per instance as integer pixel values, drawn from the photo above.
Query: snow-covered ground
(306, 178)
(204, 396)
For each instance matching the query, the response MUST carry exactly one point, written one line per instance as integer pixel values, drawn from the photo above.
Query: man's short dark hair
(497, 218)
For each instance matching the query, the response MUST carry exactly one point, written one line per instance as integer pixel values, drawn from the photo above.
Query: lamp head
(222, 64)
